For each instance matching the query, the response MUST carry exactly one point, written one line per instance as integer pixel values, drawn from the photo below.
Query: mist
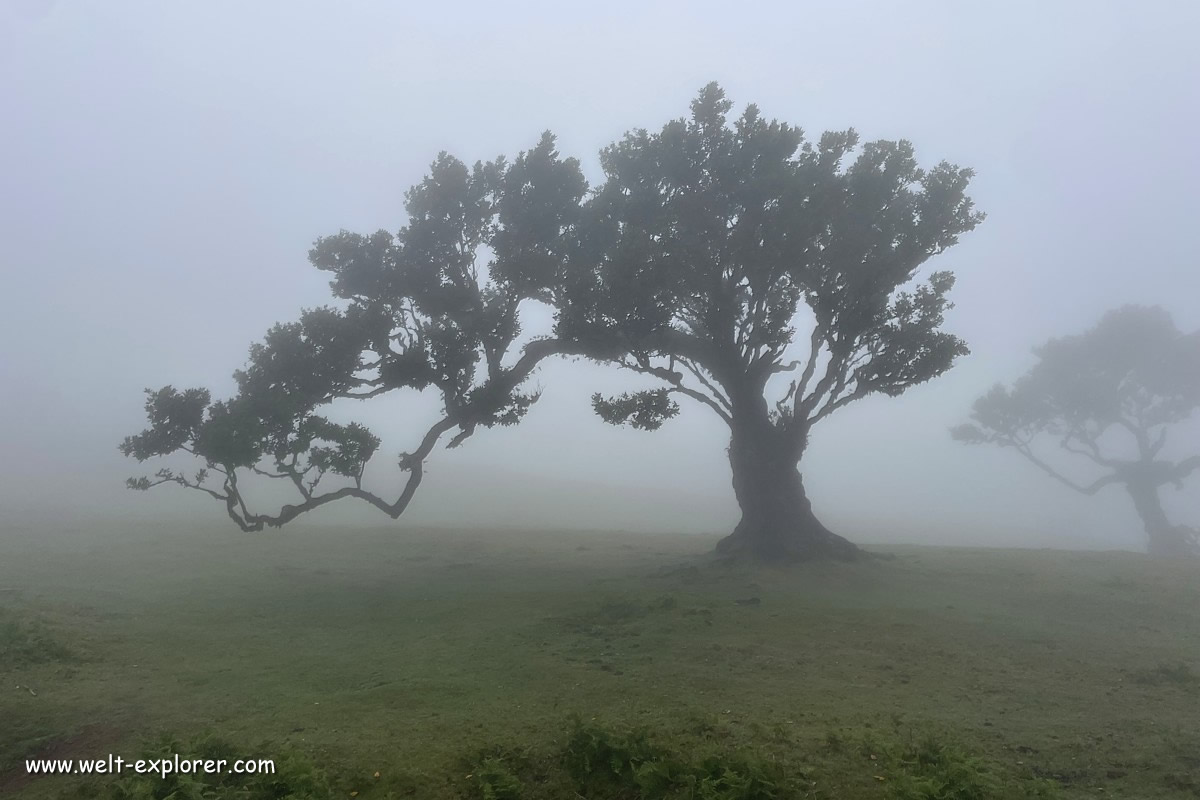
(167, 168)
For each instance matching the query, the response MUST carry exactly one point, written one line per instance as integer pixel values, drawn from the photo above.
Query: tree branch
(412, 463)
(1185, 468)
(716, 393)
(1092, 450)
(1090, 489)
(675, 379)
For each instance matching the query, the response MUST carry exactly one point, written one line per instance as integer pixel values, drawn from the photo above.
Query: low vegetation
(26, 640)
(295, 777)
(443, 666)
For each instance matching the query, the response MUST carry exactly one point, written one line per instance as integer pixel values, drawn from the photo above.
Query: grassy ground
(415, 653)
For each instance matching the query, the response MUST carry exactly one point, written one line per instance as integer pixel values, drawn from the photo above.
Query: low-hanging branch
(415, 314)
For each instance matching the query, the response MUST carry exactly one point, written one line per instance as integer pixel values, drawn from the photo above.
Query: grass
(25, 640)
(1180, 674)
(498, 665)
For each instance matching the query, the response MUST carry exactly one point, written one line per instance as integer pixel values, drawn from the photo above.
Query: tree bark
(1162, 538)
(777, 522)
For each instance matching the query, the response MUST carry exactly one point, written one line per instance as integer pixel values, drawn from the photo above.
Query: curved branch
(1089, 489)
(703, 398)
(716, 393)
(1092, 451)
(835, 376)
(412, 463)
(457, 415)
(834, 402)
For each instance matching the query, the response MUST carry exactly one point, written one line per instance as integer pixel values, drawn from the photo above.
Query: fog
(166, 168)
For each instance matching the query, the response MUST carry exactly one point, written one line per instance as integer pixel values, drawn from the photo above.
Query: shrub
(930, 768)
(603, 763)
(933, 770)
(495, 781)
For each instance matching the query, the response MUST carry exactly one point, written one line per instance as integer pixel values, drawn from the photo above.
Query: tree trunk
(1162, 538)
(777, 523)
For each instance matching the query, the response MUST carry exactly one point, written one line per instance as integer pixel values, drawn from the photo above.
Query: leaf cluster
(711, 241)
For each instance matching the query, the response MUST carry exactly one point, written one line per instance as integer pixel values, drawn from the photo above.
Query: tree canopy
(707, 238)
(418, 311)
(1109, 398)
(708, 250)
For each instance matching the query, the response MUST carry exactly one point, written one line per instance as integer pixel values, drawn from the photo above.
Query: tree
(1110, 397)
(696, 257)
(690, 263)
(416, 312)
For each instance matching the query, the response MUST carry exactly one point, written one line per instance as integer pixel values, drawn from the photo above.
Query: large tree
(1109, 398)
(696, 261)
(713, 245)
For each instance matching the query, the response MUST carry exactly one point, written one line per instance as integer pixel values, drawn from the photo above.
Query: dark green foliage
(597, 759)
(931, 766)
(607, 764)
(500, 772)
(930, 769)
(355, 446)
(645, 411)
(175, 419)
(495, 781)
(707, 238)
(416, 311)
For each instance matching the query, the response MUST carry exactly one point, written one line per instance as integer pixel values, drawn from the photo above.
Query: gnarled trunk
(777, 519)
(1162, 538)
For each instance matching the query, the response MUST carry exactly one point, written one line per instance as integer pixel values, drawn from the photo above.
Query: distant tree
(711, 245)
(704, 250)
(1109, 398)
(417, 312)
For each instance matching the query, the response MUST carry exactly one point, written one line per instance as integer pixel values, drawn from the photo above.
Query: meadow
(501, 665)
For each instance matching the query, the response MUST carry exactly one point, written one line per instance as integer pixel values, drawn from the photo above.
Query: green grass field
(461, 665)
